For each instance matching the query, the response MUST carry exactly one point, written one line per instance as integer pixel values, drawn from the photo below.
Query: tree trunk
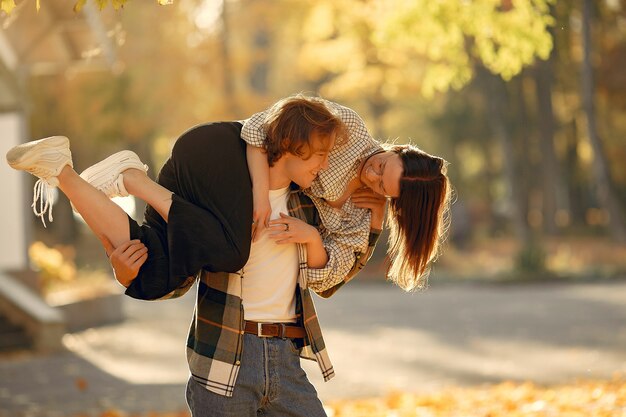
(489, 178)
(497, 106)
(522, 142)
(576, 185)
(604, 183)
(553, 186)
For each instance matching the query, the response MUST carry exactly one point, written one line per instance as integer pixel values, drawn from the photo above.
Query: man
(251, 327)
(199, 219)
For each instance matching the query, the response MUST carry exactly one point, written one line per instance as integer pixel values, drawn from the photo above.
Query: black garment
(211, 214)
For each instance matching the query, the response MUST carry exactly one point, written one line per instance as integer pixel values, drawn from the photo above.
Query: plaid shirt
(215, 341)
(345, 231)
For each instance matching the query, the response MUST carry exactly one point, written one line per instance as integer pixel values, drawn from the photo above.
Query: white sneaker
(44, 158)
(107, 176)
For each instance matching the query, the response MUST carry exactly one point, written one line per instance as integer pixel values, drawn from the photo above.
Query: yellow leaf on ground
(508, 399)
(81, 384)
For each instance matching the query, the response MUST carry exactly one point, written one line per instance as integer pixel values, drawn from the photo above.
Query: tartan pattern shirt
(215, 341)
(345, 230)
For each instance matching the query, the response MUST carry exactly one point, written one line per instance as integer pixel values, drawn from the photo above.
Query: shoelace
(44, 188)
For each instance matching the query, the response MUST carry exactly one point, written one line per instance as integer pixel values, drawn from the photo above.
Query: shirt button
(238, 363)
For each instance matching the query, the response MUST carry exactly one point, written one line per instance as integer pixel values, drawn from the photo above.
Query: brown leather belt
(287, 330)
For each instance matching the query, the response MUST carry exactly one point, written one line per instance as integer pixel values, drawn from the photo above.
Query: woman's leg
(105, 218)
(210, 219)
(50, 160)
(201, 205)
(199, 211)
(138, 184)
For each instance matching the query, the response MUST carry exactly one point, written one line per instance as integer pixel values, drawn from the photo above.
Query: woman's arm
(351, 244)
(352, 186)
(366, 198)
(259, 173)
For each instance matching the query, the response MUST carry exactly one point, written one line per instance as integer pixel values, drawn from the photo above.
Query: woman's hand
(289, 229)
(366, 198)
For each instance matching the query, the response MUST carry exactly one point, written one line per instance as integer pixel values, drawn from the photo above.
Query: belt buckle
(283, 330)
(260, 330)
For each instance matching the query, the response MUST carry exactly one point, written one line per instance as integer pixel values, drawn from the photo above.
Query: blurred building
(53, 40)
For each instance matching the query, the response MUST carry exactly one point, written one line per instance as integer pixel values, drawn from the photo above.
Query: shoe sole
(27, 153)
(98, 174)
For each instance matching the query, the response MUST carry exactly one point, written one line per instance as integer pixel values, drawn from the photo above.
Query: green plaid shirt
(215, 341)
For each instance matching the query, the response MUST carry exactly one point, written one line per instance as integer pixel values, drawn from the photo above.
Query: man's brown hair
(290, 123)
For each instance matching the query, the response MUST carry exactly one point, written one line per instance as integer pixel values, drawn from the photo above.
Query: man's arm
(289, 229)
(126, 261)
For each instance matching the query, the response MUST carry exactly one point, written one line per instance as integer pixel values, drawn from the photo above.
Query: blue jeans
(271, 382)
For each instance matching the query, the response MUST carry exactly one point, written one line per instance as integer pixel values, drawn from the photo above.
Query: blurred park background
(526, 99)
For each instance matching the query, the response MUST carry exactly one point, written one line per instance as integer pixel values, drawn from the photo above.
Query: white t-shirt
(271, 273)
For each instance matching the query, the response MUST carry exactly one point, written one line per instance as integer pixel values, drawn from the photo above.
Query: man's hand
(366, 198)
(289, 229)
(126, 260)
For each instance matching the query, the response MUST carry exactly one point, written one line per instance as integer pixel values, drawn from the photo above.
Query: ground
(458, 344)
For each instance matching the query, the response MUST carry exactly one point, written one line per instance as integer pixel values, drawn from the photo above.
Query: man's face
(382, 172)
(304, 169)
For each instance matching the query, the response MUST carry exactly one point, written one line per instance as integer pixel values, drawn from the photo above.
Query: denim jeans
(271, 382)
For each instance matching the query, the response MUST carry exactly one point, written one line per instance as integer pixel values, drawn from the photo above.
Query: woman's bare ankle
(133, 178)
(66, 173)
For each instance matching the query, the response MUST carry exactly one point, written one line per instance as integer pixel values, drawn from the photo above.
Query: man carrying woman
(198, 227)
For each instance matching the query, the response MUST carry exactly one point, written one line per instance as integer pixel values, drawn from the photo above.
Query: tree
(604, 181)
(421, 45)
(552, 181)
(388, 51)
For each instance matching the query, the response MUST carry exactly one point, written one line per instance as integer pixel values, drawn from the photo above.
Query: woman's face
(382, 172)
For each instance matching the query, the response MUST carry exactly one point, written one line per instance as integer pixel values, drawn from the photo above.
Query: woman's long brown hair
(419, 218)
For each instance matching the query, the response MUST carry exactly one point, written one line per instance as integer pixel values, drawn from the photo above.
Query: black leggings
(209, 222)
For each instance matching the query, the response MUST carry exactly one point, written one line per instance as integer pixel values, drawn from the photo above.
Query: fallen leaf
(81, 384)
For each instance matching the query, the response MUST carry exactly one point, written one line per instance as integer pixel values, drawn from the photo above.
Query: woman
(414, 182)
(200, 211)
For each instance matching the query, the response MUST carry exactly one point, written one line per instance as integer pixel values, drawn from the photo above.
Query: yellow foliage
(508, 399)
(118, 4)
(7, 6)
(79, 5)
(52, 263)
(442, 39)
